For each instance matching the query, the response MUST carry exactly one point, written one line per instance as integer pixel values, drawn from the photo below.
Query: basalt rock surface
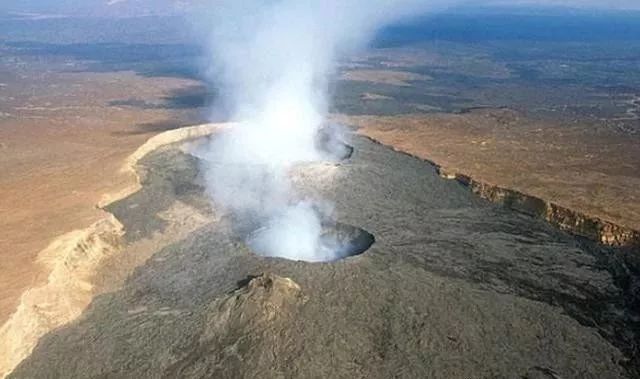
(453, 287)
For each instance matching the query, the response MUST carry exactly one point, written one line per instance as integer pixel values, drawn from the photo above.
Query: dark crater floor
(346, 240)
(453, 287)
(337, 241)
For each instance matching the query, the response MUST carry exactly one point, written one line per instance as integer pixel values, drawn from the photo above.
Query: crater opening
(334, 241)
(330, 141)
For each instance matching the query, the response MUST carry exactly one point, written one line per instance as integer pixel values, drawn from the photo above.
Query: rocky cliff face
(571, 221)
(75, 259)
(564, 218)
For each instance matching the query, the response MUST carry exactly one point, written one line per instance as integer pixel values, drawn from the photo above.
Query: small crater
(346, 240)
(330, 142)
(336, 241)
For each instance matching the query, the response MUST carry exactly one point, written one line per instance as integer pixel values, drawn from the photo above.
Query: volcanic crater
(336, 241)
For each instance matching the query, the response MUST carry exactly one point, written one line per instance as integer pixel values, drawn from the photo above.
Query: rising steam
(272, 61)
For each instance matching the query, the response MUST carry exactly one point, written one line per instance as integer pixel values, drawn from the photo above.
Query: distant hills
(40, 9)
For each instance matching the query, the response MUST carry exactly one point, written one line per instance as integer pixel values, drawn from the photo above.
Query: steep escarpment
(564, 218)
(155, 142)
(587, 174)
(569, 220)
(74, 261)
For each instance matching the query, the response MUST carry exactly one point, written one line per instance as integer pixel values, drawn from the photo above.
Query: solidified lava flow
(447, 268)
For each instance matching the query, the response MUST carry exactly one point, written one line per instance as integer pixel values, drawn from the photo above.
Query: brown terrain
(396, 78)
(66, 134)
(50, 118)
(571, 150)
(587, 169)
(63, 147)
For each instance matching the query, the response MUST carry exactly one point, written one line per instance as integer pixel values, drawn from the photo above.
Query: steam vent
(453, 287)
(336, 241)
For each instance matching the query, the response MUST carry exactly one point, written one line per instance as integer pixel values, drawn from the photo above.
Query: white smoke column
(273, 59)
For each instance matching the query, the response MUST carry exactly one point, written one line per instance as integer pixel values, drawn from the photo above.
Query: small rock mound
(265, 299)
(244, 330)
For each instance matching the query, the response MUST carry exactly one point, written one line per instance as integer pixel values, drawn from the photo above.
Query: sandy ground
(582, 167)
(62, 146)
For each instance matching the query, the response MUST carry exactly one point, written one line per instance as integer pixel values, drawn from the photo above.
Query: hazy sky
(607, 4)
(138, 7)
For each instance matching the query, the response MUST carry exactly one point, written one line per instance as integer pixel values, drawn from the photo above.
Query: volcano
(453, 287)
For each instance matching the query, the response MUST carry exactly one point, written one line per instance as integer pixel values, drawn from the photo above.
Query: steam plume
(273, 60)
